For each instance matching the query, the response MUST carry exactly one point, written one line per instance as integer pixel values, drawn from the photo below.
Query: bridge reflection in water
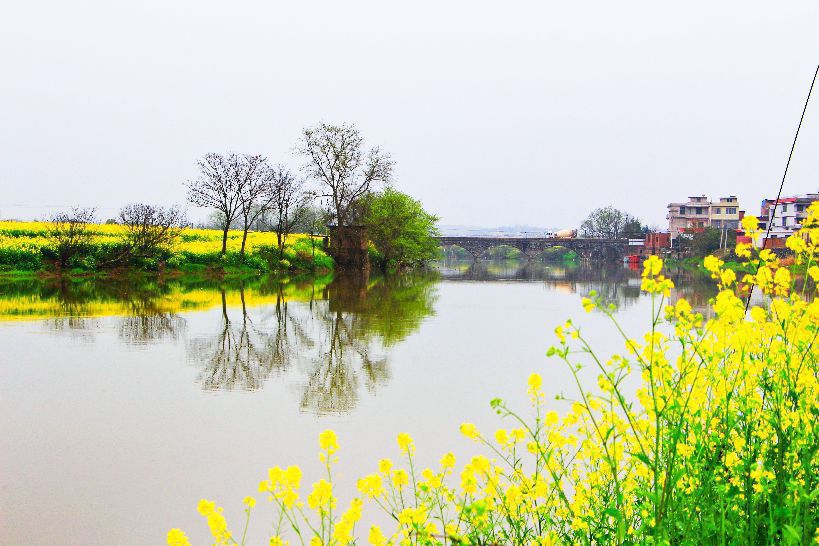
(612, 281)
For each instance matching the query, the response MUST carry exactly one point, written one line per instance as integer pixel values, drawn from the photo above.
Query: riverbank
(27, 249)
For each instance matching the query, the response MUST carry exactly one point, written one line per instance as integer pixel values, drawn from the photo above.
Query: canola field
(27, 246)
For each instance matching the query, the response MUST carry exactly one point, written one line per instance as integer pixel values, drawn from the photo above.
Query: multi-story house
(699, 212)
(725, 213)
(786, 217)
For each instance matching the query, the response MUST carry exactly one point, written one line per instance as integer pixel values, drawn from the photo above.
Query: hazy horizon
(529, 113)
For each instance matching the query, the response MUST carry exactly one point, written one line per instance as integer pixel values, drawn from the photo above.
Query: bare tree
(149, 228)
(70, 232)
(222, 185)
(256, 193)
(344, 171)
(287, 204)
(312, 219)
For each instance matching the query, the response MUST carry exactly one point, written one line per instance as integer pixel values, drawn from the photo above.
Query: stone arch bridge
(587, 249)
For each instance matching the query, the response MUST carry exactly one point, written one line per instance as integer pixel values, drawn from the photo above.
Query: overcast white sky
(496, 112)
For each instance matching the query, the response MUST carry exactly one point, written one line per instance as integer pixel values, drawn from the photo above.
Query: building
(783, 217)
(699, 213)
(656, 242)
(725, 213)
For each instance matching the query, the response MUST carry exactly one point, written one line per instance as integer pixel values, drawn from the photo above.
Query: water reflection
(328, 338)
(613, 282)
(359, 322)
(232, 358)
(333, 335)
(337, 339)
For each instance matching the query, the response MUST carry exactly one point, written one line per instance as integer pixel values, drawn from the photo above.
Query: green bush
(19, 260)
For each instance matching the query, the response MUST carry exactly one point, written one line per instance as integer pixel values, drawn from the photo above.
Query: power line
(772, 216)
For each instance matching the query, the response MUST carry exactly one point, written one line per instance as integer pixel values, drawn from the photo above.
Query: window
(800, 208)
(731, 210)
(784, 208)
(699, 210)
(682, 210)
(716, 223)
(717, 210)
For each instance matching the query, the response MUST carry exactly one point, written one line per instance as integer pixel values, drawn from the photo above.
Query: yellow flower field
(23, 243)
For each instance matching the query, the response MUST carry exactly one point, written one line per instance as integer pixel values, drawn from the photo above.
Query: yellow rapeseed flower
(470, 431)
(321, 498)
(750, 223)
(328, 441)
(176, 537)
(400, 478)
(406, 443)
(652, 266)
(376, 537)
(384, 466)
(371, 485)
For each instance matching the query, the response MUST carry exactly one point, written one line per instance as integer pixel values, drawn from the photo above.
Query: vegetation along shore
(80, 248)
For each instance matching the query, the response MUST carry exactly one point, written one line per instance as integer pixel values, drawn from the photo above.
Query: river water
(125, 403)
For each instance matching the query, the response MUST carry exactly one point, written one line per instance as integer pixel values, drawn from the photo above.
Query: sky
(496, 113)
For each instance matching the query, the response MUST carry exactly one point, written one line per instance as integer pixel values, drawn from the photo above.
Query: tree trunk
(279, 241)
(244, 240)
(224, 239)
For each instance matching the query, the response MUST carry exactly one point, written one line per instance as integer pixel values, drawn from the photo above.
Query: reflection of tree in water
(79, 327)
(149, 322)
(613, 282)
(338, 338)
(242, 355)
(362, 321)
(229, 359)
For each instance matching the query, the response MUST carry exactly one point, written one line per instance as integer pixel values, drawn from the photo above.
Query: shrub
(718, 445)
(19, 259)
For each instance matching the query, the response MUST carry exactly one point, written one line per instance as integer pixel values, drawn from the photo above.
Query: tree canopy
(401, 230)
(610, 223)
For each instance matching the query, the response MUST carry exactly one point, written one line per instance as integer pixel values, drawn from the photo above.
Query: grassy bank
(26, 248)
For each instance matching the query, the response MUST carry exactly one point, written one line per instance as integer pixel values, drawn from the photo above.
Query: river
(125, 403)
